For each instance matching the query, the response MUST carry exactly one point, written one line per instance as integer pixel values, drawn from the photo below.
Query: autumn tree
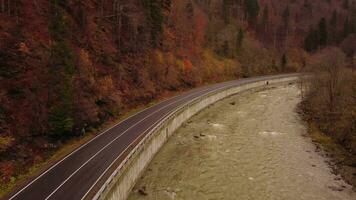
(308, 8)
(346, 4)
(226, 10)
(286, 16)
(225, 49)
(80, 14)
(349, 46)
(328, 64)
(286, 19)
(330, 102)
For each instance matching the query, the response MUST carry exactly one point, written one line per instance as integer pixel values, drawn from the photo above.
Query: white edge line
(159, 122)
(85, 144)
(156, 124)
(117, 137)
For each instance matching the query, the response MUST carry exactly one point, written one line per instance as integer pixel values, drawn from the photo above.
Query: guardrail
(122, 179)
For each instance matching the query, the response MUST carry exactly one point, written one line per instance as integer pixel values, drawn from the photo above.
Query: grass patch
(334, 149)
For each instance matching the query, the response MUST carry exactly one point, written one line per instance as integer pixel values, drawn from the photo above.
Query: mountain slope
(68, 66)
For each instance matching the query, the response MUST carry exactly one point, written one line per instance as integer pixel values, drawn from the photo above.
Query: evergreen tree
(308, 42)
(154, 12)
(252, 9)
(284, 62)
(239, 39)
(352, 21)
(347, 28)
(311, 42)
(62, 70)
(323, 32)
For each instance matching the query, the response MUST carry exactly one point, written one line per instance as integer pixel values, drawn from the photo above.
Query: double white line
(103, 148)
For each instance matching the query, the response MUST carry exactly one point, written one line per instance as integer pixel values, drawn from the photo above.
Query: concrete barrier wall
(120, 183)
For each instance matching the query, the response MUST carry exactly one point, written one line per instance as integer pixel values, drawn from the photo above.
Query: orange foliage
(187, 65)
(23, 48)
(168, 34)
(85, 58)
(6, 171)
(200, 25)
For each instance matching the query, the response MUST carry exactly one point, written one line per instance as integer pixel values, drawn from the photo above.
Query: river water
(249, 146)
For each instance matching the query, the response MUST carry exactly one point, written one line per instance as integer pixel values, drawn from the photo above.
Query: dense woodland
(68, 66)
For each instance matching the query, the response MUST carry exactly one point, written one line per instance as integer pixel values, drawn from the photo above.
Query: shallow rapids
(249, 146)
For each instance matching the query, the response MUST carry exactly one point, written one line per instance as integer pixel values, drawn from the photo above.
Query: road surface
(75, 176)
(248, 146)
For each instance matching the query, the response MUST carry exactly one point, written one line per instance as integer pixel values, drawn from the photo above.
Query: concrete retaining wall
(120, 183)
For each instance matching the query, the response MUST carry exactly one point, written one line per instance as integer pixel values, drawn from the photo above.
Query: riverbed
(248, 146)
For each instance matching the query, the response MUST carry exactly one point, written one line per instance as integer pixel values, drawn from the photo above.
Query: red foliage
(188, 66)
(6, 171)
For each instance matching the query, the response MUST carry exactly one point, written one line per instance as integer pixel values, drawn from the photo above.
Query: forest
(69, 67)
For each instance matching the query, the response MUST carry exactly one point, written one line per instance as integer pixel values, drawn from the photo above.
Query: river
(248, 146)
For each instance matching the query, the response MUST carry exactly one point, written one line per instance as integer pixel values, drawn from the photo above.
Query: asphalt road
(77, 173)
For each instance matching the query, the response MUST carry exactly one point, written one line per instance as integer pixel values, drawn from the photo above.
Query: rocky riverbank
(249, 146)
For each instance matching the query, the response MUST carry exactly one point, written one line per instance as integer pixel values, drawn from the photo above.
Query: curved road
(75, 176)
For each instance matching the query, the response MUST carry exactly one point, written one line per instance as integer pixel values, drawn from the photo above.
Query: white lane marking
(228, 84)
(241, 82)
(49, 169)
(154, 124)
(102, 149)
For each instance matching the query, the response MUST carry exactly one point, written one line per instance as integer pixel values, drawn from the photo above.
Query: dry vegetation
(330, 105)
(331, 99)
